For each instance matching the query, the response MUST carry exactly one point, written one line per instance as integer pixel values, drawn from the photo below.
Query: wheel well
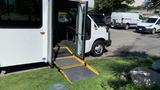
(127, 23)
(100, 39)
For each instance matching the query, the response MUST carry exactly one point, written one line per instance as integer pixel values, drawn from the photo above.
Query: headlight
(149, 26)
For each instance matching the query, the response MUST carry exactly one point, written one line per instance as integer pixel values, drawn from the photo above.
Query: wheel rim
(112, 26)
(99, 49)
(153, 31)
(127, 26)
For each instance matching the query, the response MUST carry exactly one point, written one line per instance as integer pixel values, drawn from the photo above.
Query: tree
(150, 4)
(109, 5)
(155, 2)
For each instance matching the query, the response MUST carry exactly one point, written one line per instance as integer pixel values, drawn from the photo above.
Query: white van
(125, 19)
(31, 29)
(151, 25)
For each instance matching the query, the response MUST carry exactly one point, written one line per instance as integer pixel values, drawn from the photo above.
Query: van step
(66, 62)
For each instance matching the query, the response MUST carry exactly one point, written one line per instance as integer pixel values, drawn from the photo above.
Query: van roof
(154, 16)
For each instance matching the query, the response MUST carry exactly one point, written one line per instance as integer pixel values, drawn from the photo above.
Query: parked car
(125, 19)
(151, 25)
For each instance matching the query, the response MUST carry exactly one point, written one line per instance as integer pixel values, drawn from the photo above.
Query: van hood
(145, 24)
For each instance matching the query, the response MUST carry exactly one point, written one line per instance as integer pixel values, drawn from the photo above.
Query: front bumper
(144, 30)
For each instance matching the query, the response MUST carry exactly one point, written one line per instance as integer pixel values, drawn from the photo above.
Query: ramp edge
(87, 65)
(66, 77)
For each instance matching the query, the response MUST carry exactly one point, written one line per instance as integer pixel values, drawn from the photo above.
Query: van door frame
(50, 28)
(80, 29)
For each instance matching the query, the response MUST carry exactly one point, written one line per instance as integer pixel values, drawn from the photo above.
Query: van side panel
(24, 45)
(97, 32)
(117, 17)
(131, 18)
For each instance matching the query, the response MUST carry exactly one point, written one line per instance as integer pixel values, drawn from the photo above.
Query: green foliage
(106, 6)
(155, 1)
(153, 4)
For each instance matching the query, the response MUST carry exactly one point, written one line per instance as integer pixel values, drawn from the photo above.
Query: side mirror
(157, 23)
(95, 27)
(107, 29)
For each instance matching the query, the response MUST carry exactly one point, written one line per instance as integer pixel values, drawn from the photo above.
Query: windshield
(151, 20)
(99, 19)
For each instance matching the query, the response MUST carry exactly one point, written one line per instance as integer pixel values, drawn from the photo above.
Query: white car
(151, 25)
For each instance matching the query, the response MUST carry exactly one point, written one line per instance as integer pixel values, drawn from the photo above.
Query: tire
(97, 49)
(126, 27)
(153, 31)
(2, 72)
(112, 26)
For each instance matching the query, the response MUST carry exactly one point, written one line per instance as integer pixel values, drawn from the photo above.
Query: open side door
(80, 29)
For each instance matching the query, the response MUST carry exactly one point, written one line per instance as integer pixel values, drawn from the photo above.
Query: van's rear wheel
(126, 27)
(2, 72)
(112, 26)
(97, 48)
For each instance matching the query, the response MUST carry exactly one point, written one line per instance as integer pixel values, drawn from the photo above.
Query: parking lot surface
(131, 41)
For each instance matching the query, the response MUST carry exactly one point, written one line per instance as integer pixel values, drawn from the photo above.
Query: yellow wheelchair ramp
(72, 67)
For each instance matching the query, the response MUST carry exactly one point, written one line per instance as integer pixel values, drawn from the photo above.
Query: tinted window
(88, 28)
(20, 13)
(98, 19)
(141, 17)
(151, 20)
(63, 17)
(158, 22)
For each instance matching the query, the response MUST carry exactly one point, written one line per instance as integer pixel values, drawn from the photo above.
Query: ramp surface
(63, 63)
(72, 67)
(61, 52)
(78, 73)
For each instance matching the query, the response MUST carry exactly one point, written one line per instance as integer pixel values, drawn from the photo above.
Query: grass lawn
(109, 69)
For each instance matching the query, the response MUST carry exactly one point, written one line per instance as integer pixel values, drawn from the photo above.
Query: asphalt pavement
(131, 41)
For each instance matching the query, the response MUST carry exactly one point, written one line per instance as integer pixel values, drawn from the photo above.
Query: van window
(141, 17)
(99, 19)
(88, 28)
(158, 22)
(63, 17)
(151, 20)
(20, 13)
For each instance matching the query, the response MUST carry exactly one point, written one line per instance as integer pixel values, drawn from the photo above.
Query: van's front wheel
(126, 26)
(97, 48)
(153, 31)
